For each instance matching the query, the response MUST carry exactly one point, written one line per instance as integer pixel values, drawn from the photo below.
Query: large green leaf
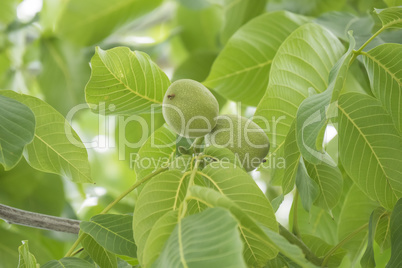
(354, 215)
(124, 82)
(99, 254)
(88, 22)
(237, 13)
(383, 64)
(17, 125)
(315, 111)
(292, 159)
(162, 194)
(113, 232)
(241, 70)
(156, 152)
(301, 65)
(370, 147)
(68, 262)
(208, 239)
(396, 236)
(390, 17)
(56, 147)
(26, 259)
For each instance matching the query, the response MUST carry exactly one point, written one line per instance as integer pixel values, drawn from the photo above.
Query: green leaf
(383, 65)
(124, 82)
(208, 239)
(319, 247)
(162, 194)
(368, 257)
(258, 247)
(17, 124)
(391, 3)
(196, 66)
(301, 65)
(373, 159)
(237, 13)
(307, 7)
(240, 72)
(156, 152)
(396, 236)
(27, 259)
(238, 186)
(7, 12)
(113, 232)
(390, 17)
(329, 181)
(382, 233)
(289, 250)
(308, 188)
(224, 155)
(56, 147)
(292, 159)
(354, 215)
(199, 29)
(68, 262)
(317, 222)
(88, 22)
(65, 68)
(315, 111)
(158, 236)
(99, 254)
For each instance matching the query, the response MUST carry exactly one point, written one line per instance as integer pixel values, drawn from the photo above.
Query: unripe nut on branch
(189, 108)
(243, 137)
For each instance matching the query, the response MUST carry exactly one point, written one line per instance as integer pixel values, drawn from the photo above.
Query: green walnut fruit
(243, 137)
(189, 108)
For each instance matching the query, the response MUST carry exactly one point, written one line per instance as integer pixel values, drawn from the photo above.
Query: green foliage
(17, 130)
(321, 78)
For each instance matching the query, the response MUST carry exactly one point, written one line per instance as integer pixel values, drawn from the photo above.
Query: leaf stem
(70, 252)
(358, 52)
(295, 227)
(340, 244)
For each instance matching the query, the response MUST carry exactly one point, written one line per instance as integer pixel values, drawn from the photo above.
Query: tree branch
(37, 220)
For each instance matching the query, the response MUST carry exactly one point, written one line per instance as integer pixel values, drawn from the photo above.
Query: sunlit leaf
(27, 259)
(384, 64)
(390, 17)
(113, 232)
(125, 82)
(241, 70)
(56, 147)
(208, 239)
(370, 147)
(17, 127)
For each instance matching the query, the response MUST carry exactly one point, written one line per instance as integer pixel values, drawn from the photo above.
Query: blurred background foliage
(45, 49)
